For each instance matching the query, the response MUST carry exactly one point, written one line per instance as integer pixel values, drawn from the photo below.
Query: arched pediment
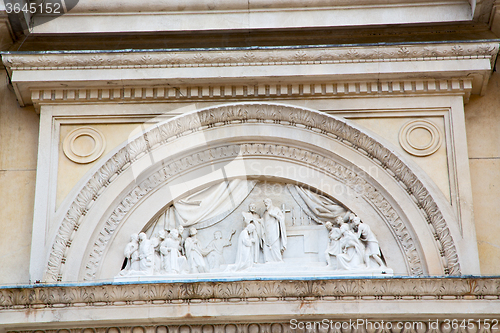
(261, 142)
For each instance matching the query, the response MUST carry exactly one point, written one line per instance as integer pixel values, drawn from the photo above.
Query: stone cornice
(241, 73)
(248, 57)
(58, 296)
(174, 304)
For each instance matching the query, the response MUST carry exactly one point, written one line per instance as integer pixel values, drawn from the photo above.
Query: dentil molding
(258, 91)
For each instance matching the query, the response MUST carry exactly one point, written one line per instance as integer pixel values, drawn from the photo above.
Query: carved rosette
(239, 113)
(430, 137)
(90, 150)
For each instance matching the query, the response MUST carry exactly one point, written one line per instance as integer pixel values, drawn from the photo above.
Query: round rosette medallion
(420, 137)
(84, 145)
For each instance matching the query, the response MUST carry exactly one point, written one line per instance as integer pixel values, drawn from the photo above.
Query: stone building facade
(250, 166)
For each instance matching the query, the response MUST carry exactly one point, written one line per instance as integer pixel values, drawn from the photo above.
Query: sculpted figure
(172, 259)
(215, 250)
(366, 235)
(157, 243)
(194, 254)
(251, 217)
(245, 251)
(146, 254)
(352, 256)
(274, 234)
(180, 230)
(333, 249)
(131, 252)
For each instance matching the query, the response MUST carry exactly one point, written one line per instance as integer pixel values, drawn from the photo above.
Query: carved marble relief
(281, 229)
(287, 117)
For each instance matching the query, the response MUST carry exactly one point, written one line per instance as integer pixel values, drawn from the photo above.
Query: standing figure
(251, 217)
(146, 254)
(180, 230)
(131, 252)
(366, 235)
(245, 252)
(194, 254)
(171, 256)
(333, 249)
(157, 243)
(274, 234)
(215, 250)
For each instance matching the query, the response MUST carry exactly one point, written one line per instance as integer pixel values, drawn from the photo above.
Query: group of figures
(352, 245)
(169, 253)
(264, 235)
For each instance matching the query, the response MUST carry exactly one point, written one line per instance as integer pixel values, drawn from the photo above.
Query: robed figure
(352, 256)
(146, 254)
(251, 217)
(274, 233)
(333, 249)
(173, 261)
(132, 254)
(245, 251)
(194, 253)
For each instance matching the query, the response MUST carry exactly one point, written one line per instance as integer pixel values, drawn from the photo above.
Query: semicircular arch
(172, 152)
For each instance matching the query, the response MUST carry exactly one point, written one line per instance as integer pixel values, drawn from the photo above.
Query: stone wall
(18, 159)
(482, 120)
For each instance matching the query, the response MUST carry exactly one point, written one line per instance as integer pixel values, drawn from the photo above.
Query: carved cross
(284, 210)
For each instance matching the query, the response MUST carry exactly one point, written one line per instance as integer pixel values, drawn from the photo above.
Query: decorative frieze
(248, 56)
(338, 290)
(292, 72)
(410, 289)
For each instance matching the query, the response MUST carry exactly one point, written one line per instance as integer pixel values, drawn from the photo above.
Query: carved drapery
(206, 207)
(221, 116)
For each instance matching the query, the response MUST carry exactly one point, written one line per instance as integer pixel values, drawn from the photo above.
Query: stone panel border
(182, 125)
